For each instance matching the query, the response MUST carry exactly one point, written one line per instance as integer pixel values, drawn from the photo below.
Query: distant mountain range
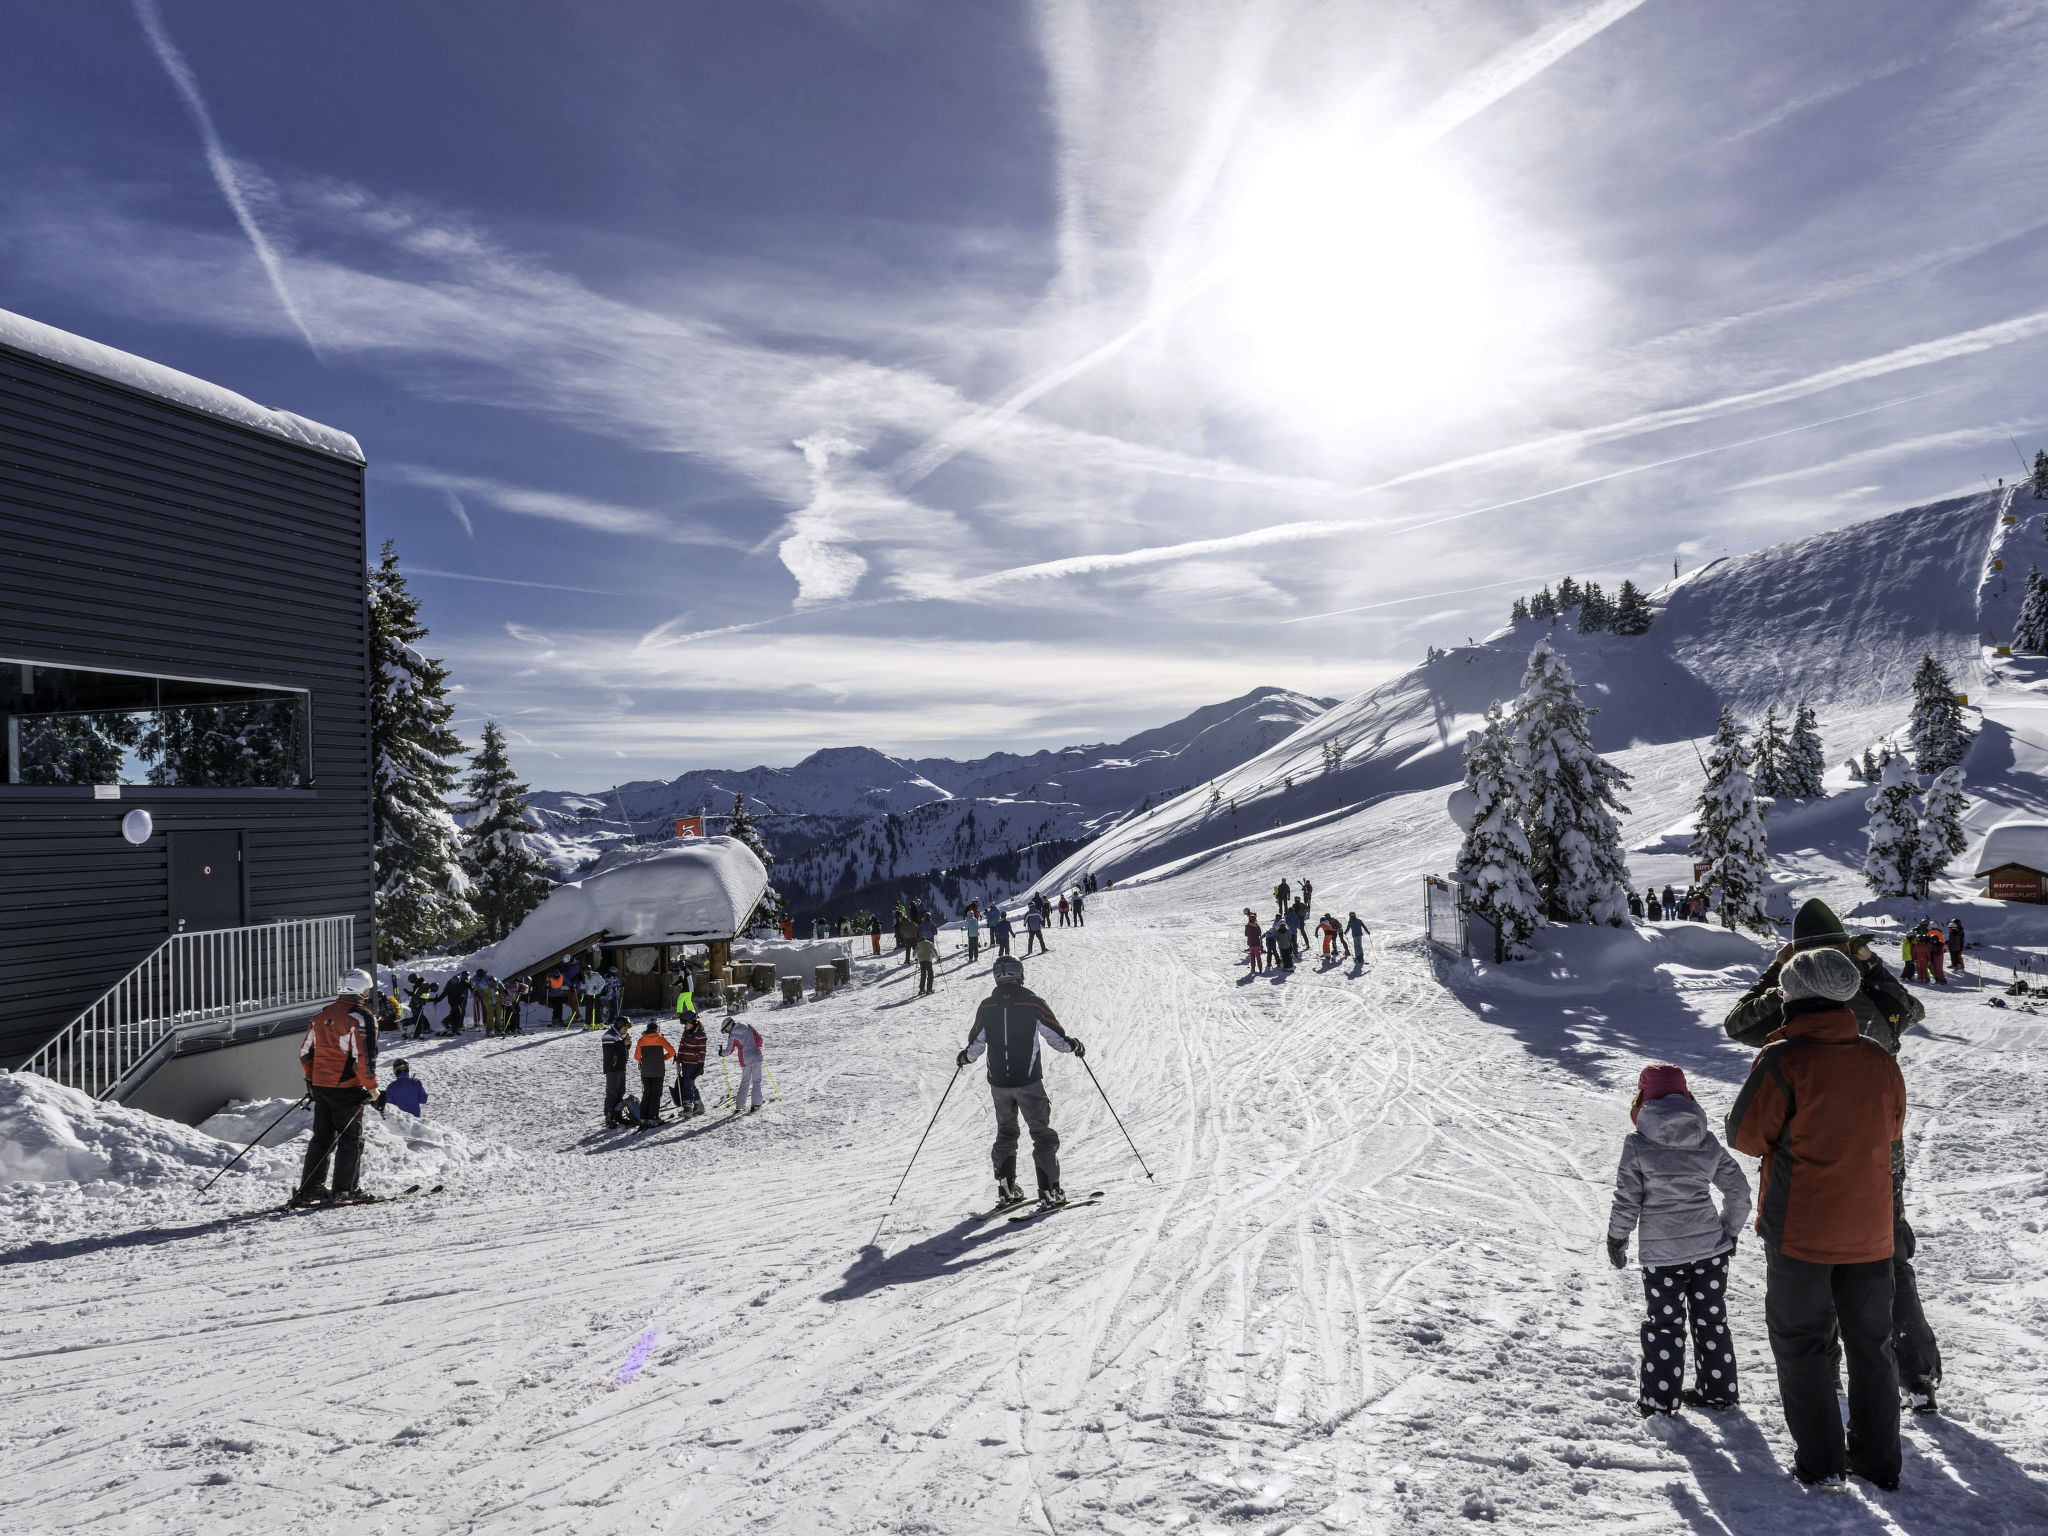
(852, 827)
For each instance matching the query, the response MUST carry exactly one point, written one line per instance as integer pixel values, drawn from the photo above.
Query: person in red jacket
(1822, 1107)
(690, 1065)
(336, 1058)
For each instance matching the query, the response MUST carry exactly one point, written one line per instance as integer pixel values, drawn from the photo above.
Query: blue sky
(742, 379)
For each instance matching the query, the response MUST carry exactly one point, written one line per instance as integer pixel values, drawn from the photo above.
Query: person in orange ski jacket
(338, 1061)
(654, 1053)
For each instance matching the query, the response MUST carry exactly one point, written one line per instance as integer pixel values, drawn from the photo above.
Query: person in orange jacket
(341, 1078)
(654, 1053)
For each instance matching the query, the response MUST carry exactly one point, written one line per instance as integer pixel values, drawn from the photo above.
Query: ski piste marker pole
(1114, 1115)
(725, 1072)
(913, 1156)
(245, 1151)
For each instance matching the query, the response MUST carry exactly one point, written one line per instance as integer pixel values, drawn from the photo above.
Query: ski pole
(777, 1087)
(725, 1072)
(1114, 1115)
(245, 1151)
(913, 1157)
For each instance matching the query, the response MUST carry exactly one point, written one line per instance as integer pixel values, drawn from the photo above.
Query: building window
(65, 725)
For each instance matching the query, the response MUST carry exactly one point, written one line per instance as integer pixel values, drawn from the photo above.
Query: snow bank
(50, 1134)
(1582, 957)
(26, 335)
(406, 1147)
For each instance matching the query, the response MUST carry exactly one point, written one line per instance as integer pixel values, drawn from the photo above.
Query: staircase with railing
(203, 983)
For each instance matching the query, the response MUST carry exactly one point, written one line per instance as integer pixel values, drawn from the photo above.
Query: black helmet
(1009, 969)
(401, 1066)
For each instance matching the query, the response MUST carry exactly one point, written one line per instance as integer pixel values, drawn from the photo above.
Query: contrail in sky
(1473, 95)
(217, 160)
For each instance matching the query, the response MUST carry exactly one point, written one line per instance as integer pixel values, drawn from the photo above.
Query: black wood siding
(137, 535)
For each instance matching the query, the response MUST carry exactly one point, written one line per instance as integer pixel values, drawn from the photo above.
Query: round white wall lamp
(136, 827)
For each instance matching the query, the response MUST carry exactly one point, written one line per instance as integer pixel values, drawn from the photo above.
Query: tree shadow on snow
(933, 1258)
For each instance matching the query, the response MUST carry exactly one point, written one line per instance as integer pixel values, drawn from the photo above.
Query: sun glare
(1359, 291)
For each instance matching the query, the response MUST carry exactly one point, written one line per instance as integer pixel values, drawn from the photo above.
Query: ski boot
(1653, 1410)
(1051, 1197)
(302, 1198)
(1921, 1395)
(1008, 1193)
(1693, 1397)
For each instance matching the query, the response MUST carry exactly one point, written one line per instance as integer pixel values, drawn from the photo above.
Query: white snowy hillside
(1840, 618)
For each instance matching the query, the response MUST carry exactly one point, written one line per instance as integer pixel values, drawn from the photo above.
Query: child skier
(405, 1090)
(744, 1041)
(689, 1065)
(654, 1053)
(1670, 1166)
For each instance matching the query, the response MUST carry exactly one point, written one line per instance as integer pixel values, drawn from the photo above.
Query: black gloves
(1617, 1252)
(379, 1101)
(1903, 1238)
(961, 1059)
(1079, 1048)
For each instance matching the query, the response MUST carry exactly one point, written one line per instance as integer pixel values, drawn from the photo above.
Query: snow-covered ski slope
(1840, 618)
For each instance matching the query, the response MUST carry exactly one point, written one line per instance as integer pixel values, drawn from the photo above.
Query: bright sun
(1359, 291)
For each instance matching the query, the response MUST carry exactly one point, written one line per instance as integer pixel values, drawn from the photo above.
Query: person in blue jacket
(405, 1090)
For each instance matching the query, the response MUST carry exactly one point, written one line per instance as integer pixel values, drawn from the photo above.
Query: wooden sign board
(2014, 882)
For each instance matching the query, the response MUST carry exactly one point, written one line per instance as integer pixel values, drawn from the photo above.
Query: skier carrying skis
(744, 1041)
(335, 1058)
(1010, 1025)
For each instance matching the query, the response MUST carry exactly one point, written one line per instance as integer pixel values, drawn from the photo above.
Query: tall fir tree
(1494, 859)
(1519, 611)
(421, 887)
(2040, 474)
(1892, 862)
(1596, 613)
(745, 827)
(1544, 604)
(1632, 614)
(507, 878)
(1568, 595)
(1728, 832)
(1941, 828)
(1938, 736)
(1772, 755)
(2030, 633)
(1804, 765)
(1570, 809)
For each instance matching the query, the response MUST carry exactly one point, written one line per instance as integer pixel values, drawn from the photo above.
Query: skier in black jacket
(617, 1050)
(1010, 1025)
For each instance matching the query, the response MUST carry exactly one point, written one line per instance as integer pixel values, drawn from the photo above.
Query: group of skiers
(650, 1055)
(1282, 943)
(1824, 1107)
(1921, 950)
(499, 1004)
(1671, 906)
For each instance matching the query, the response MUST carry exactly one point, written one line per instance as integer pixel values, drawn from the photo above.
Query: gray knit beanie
(1823, 973)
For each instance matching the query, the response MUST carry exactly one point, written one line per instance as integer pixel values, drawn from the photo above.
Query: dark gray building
(182, 634)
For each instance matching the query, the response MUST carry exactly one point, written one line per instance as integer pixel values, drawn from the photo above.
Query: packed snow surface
(138, 373)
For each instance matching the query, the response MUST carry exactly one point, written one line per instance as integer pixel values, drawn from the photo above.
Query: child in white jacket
(744, 1041)
(1664, 1190)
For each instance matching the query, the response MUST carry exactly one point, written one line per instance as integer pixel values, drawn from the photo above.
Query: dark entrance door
(206, 880)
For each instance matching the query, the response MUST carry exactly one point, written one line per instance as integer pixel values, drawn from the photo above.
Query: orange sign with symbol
(689, 826)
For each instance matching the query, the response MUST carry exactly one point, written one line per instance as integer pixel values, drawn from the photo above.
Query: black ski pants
(650, 1096)
(614, 1095)
(1675, 1295)
(1031, 1102)
(1805, 1304)
(1913, 1340)
(925, 982)
(1037, 937)
(337, 1133)
(973, 947)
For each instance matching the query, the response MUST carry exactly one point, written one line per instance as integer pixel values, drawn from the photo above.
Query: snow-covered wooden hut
(2014, 860)
(642, 909)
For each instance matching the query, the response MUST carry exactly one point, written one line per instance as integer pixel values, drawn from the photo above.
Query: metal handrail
(193, 980)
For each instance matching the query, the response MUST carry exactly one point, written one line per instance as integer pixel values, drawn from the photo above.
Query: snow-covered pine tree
(1570, 809)
(507, 878)
(1892, 863)
(1728, 832)
(1938, 736)
(1772, 754)
(2030, 633)
(1493, 861)
(2040, 474)
(1568, 595)
(1519, 611)
(1804, 765)
(745, 827)
(1941, 828)
(421, 887)
(1596, 613)
(1631, 611)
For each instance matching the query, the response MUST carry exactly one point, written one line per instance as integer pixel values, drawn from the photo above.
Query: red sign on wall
(689, 826)
(2014, 882)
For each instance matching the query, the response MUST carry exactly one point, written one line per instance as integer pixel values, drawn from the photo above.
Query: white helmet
(358, 983)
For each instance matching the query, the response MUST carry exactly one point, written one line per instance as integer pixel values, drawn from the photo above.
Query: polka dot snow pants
(1671, 1293)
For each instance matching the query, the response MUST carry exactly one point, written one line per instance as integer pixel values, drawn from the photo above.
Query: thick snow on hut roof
(139, 373)
(2015, 842)
(661, 893)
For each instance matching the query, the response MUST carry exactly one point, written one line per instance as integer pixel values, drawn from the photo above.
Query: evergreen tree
(1941, 828)
(1728, 832)
(421, 887)
(2030, 634)
(1570, 809)
(507, 878)
(1568, 595)
(1520, 611)
(1631, 611)
(1772, 754)
(1937, 734)
(745, 827)
(2040, 474)
(1595, 612)
(1804, 765)
(1892, 864)
(1493, 862)
(1543, 605)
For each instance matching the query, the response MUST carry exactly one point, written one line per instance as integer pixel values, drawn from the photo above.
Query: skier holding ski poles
(340, 1080)
(744, 1041)
(1009, 1026)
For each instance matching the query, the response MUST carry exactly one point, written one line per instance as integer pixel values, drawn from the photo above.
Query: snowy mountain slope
(1840, 618)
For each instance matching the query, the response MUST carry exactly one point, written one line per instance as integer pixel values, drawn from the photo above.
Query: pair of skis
(1037, 1209)
(289, 1209)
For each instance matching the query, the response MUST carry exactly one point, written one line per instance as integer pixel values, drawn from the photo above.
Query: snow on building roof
(660, 893)
(53, 345)
(2015, 842)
